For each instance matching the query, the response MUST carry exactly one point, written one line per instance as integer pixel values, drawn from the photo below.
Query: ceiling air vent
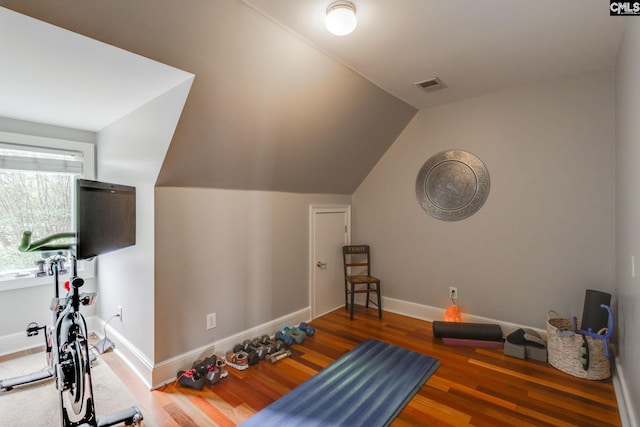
(431, 84)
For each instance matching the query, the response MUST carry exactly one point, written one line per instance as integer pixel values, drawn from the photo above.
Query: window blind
(29, 158)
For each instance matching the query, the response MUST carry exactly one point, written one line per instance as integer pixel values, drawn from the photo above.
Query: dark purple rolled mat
(470, 331)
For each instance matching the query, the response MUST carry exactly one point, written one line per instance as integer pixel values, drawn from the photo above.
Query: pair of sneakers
(212, 368)
(207, 371)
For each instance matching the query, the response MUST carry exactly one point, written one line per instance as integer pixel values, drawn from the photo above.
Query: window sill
(85, 270)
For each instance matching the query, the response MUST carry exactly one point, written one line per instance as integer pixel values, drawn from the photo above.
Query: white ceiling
(54, 76)
(473, 46)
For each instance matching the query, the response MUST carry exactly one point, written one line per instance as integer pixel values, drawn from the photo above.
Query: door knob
(321, 264)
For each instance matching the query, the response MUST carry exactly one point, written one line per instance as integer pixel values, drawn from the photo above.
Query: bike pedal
(33, 329)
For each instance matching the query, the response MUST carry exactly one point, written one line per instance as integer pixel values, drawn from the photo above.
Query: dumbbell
(298, 335)
(260, 349)
(253, 356)
(265, 340)
(286, 339)
(258, 340)
(308, 329)
(277, 345)
(279, 355)
(242, 347)
(270, 346)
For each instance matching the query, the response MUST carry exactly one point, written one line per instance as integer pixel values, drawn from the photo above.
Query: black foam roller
(468, 331)
(595, 317)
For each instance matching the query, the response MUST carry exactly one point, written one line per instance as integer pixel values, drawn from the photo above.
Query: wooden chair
(358, 278)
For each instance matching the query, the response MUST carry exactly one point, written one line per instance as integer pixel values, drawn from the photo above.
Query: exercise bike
(54, 267)
(67, 346)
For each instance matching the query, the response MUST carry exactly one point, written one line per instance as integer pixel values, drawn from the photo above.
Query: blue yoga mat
(368, 386)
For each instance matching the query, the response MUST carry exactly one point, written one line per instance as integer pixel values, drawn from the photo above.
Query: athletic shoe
(238, 360)
(191, 379)
(202, 366)
(213, 375)
(222, 366)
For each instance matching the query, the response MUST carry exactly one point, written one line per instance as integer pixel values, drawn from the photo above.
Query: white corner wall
(546, 232)
(627, 217)
(131, 152)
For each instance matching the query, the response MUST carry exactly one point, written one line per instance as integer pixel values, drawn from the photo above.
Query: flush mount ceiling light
(341, 18)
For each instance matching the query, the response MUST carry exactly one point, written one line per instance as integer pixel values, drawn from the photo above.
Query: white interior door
(330, 231)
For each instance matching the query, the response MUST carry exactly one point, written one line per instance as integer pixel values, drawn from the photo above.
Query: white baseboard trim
(19, 341)
(425, 312)
(625, 406)
(166, 370)
(14, 343)
(137, 361)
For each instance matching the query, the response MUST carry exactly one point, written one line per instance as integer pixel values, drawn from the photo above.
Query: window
(37, 185)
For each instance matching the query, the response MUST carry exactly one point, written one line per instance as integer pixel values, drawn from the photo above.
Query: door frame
(314, 210)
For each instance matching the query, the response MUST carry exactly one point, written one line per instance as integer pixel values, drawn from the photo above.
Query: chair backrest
(356, 257)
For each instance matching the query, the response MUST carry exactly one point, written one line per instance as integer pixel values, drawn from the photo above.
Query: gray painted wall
(546, 232)
(628, 210)
(241, 254)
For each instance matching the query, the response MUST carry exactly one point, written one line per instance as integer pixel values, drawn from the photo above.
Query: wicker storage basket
(564, 351)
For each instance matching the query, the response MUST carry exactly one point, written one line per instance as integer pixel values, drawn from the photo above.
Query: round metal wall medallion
(452, 185)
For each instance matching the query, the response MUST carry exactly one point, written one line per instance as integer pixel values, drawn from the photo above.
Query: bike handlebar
(46, 243)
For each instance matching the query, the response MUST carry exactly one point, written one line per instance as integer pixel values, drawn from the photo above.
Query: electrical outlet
(453, 292)
(120, 312)
(211, 320)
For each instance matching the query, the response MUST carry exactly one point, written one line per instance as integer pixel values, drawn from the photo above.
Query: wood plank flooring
(473, 386)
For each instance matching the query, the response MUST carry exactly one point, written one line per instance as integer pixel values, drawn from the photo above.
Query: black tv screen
(105, 217)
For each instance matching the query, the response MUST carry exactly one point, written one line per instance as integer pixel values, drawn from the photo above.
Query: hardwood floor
(473, 386)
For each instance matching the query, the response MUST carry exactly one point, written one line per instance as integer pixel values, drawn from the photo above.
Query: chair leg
(368, 291)
(352, 300)
(346, 296)
(379, 300)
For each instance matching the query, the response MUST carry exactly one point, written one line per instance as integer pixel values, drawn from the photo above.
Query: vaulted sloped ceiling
(267, 111)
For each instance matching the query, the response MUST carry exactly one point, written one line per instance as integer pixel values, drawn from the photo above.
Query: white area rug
(39, 404)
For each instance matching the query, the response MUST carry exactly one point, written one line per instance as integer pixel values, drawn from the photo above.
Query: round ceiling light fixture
(341, 18)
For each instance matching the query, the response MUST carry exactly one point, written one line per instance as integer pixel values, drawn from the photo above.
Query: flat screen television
(105, 217)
